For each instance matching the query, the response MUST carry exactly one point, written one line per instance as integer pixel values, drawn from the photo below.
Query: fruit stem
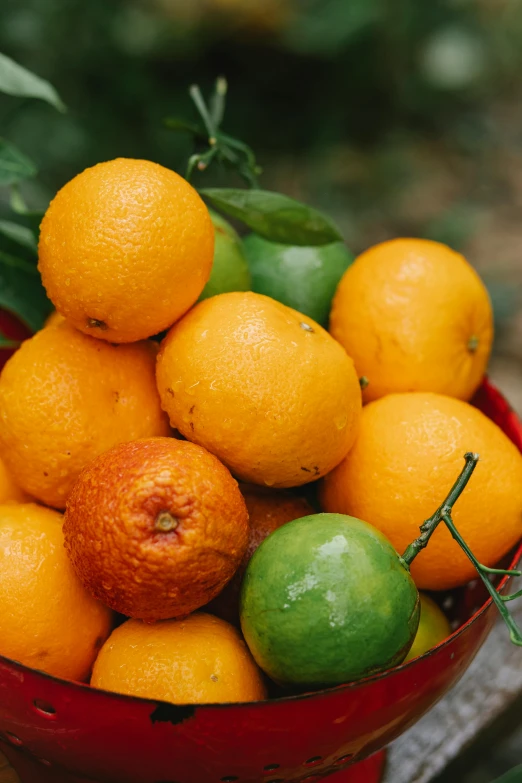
(165, 522)
(222, 148)
(443, 514)
(500, 601)
(429, 526)
(473, 343)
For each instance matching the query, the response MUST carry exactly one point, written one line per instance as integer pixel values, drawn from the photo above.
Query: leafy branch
(274, 216)
(444, 514)
(221, 147)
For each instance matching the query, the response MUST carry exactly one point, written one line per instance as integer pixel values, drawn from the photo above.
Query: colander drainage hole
(13, 739)
(344, 759)
(44, 709)
(313, 761)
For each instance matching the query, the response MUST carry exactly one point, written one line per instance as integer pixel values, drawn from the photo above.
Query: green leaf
(14, 165)
(513, 776)
(16, 80)
(274, 216)
(32, 217)
(22, 292)
(19, 234)
(5, 342)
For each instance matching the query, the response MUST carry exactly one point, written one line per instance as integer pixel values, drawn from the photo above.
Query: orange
(156, 528)
(65, 398)
(407, 456)
(414, 316)
(125, 249)
(262, 387)
(47, 620)
(54, 319)
(9, 491)
(200, 660)
(267, 510)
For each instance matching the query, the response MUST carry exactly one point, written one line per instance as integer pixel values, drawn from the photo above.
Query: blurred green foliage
(514, 776)
(395, 116)
(305, 75)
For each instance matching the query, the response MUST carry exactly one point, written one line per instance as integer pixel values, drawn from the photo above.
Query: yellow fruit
(47, 620)
(262, 387)
(199, 660)
(125, 249)
(405, 460)
(414, 316)
(65, 398)
(433, 628)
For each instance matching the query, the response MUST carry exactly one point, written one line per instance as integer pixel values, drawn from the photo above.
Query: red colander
(54, 731)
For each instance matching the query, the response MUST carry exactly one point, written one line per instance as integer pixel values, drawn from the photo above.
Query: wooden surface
(486, 692)
(7, 775)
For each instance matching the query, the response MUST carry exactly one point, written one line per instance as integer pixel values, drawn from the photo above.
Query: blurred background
(399, 118)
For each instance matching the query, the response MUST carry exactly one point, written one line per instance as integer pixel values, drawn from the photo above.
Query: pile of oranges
(137, 409)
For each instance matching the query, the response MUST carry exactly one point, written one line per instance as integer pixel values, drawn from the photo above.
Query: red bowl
(54, 731)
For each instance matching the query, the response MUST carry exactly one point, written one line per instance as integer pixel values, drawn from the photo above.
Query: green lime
(433, 628)
(304, 278)
(326, 600)
(230, 270)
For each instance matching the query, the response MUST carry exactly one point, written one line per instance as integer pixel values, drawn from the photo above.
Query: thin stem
(513, 572)
(217, 102)
(191, 165)
(223, 148)
(229, 155)
(239, 145)
(201, 106)
(499, 601)
(200, 162)
(249, 176)
(429, 526)
(511, 597)
(443, 514)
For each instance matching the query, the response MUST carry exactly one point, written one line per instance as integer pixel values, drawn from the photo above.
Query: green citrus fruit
(326, 600)
(433, 628)
(230, 270)
(304, 278)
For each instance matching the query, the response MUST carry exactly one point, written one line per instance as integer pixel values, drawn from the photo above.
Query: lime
(325, 600)
(304, 278)
(433, 628)
(229, 269)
